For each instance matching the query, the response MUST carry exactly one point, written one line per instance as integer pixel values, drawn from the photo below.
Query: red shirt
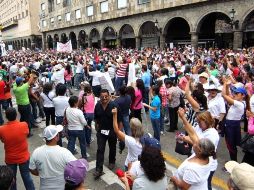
(2, 85)
(14, 136)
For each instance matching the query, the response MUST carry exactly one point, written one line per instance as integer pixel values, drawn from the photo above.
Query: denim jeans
(59, 121)
(25, 114)
(126, 125)
(146, 98)
(88, 131)
(37, 105)
(118, 83)
(156, 128)
(25, 174)
(1, 116)
(78, 78)
(50, 115)
(80, 134)
(163, 111)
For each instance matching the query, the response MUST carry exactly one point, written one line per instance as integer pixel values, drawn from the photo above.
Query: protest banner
(67, 47)
(106, 83)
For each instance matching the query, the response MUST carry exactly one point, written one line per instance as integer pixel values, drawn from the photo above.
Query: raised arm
(119, 133)
(190, 99)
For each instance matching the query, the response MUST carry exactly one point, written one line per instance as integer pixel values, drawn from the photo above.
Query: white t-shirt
(58, 77)
(96, 75)
(134, 149)
(50, 162)
(60, 103)
(252, 104)
(212, 135)
(143, 183)
(48, 100)
(194, 174)
(216, 106)
(236, 111)
(79, 68)
(13, 69)
(75, 118)
(136, 169)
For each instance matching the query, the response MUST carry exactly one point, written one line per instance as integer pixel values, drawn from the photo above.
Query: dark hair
(159, 83)
(11, 114)
(70, 186)
(144, 67)
(156, 90)
(164, 71)
(6, 177)
(68, 68)
(200, 98)
(169, 82)
(131, 91)
(47, 87)
(213, 65)
(123, 90)
(87, 89)
(73, 100)
(104, 91)
(60, 89)
(141, 86)
(152, 162)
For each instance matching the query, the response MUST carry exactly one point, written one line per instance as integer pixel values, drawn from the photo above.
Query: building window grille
(89, 10)
(104, 6)
(143, 1)
(66, 3)
(121, 4)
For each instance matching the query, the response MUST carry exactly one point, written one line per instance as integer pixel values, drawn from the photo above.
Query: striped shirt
(121, 72)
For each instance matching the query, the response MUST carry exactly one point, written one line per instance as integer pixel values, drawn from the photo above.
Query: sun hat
(75, 171)
(204, 74)
(51, 131)
(213, 87)
(241, 174)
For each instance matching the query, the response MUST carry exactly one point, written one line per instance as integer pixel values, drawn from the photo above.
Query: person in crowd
(47, 96)
(136, 105)
(14, 136)
(194, 171)
(58, 74)
(87, 105)
(205, 129)
(216, 104)
(121, 72)
(146, 77)
(131, 141)
(233, 118)
(67, 77)
(2, 100)
(184, 80)
(75, 173)
(154, 108)
(6, 177)
(174, 93)
(78, 77)
(240, 176)
(61, 102)
(105, 132)
(20, 90)
(153, 165)
(48, 161)
(96, 84)
(76, 126)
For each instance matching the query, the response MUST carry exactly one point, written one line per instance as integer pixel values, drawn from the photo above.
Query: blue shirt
(146, 79)
(156, 102)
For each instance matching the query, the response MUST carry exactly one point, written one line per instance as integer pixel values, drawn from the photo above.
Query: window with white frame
(143, 1)
(104, 6)
(89, 10)
(68, 16)
(78, 14)
(58, 1)
(43, 6)
(121, 4)
(44, 23)
(52, 20)
(59, 17)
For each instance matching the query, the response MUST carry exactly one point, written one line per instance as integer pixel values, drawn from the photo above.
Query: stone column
(238, 39)
(118, 42)
(90, 43)
(44, 41)
(102, 42)
(194, 39)
(162, 40)
(138, 42)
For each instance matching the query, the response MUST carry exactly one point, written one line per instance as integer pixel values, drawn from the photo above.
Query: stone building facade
(19, 20)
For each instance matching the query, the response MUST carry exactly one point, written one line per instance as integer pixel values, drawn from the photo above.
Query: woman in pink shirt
(136, 105)
(67, 77)
(87, 104)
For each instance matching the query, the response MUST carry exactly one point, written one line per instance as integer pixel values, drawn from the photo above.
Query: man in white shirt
(58, 75)
(49, 161)
(78, 78)
(96, 85)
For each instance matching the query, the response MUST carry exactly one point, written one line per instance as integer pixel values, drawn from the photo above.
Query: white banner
(106, 83)
(3, 50)
(132, 74)
(67, 47)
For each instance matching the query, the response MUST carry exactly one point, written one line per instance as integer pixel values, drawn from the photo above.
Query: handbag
(183, 148)
(251, 126)
(247, 143)
(64, 133)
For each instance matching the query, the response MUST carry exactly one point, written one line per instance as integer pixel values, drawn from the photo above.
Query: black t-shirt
(104, 118)
(124, 104)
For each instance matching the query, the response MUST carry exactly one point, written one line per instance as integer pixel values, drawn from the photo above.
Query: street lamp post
(234, 23)
(159, 31)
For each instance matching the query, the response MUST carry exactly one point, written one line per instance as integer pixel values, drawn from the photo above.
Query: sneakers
(162, 133)
(97, 175)
(38, 120)
(111, 166)
(43, 119)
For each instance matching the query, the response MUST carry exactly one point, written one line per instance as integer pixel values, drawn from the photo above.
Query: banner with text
(67, 47)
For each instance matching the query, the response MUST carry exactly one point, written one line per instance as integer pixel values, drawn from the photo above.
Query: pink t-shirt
(90, 104)
(67, 76)
(137, 103)
(249, 87)
(182, 83)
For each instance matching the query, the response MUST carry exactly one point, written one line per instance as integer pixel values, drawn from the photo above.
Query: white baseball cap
(51, 131)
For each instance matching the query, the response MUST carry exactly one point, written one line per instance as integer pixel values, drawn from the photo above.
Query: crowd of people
(211, 91)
